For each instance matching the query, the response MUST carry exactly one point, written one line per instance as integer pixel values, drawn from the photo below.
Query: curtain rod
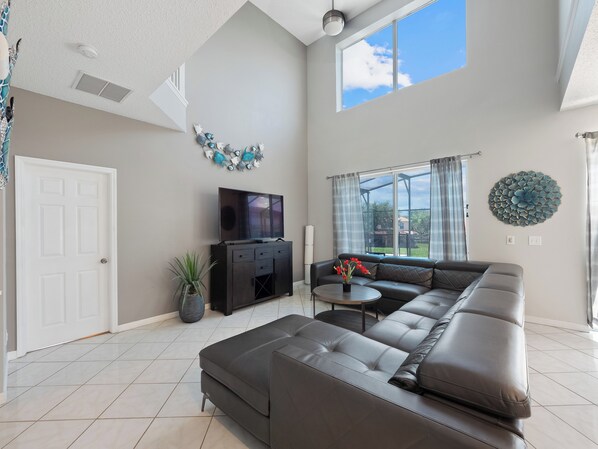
(464, 156)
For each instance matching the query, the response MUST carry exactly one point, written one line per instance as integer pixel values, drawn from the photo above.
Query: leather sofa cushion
(398, 290)
(336, 279)
(431, 306)
(373, 258)
(405, 273)
(503, 282)
(453, 275)
(495, 303)
(409, 261)
(479, 361)
(401, 330)
(242, 363)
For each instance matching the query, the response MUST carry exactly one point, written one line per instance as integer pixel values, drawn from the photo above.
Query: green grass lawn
(422, 250)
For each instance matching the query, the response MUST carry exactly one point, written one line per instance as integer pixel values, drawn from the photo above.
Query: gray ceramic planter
(192, 309)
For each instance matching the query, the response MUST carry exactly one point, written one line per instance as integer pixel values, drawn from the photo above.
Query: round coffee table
(348, 319)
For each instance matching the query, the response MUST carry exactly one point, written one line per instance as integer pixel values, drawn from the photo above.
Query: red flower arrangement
(348, 267)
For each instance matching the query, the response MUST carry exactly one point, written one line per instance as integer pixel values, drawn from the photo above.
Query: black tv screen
(250, 215)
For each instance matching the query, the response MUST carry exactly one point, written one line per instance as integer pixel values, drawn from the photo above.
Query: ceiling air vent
(100, 87)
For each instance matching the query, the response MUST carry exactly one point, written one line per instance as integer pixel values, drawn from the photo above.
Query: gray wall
(247, 84)
(505, 102)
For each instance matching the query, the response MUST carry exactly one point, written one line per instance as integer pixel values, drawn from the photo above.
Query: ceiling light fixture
(333, 22)
(88, 51)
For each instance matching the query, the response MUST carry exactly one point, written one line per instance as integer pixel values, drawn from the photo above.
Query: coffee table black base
(347, 319)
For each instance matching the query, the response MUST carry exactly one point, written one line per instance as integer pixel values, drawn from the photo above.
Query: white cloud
(369, 67)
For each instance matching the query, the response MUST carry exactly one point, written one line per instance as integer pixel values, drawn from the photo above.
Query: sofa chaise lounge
(447, 370)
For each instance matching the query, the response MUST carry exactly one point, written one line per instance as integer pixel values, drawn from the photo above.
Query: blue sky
(431, 42)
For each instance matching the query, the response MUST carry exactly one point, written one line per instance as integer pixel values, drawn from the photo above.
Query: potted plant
(346, 268)
(189, 272)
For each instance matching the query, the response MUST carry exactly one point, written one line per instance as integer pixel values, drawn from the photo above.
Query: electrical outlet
(510, 239)
(535, 240)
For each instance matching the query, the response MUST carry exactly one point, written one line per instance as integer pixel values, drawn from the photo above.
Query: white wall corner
(172, 103)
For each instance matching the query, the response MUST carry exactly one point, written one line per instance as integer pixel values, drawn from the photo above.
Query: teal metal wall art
(525, 198)
(6, 105)
(224, 155)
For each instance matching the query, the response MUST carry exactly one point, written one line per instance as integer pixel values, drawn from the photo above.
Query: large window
(396, 211)
(423, 45)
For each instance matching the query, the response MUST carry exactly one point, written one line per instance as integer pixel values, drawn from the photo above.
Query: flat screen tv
(250, 215)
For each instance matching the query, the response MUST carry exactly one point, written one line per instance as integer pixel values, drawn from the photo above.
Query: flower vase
(346, 288)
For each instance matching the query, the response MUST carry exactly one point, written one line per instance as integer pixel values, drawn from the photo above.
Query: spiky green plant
(189, 273)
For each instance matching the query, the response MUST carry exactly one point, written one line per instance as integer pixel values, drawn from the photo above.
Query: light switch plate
(535, 240)
(510, 239)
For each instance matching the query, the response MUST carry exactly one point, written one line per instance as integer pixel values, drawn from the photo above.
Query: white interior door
(64, 236)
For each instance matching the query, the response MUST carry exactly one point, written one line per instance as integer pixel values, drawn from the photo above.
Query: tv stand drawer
(242, 255)
(264, 253)
(265, 266)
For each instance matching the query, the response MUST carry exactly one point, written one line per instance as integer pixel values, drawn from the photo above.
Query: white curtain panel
(591, 140)
(447, 212)
(347, 216)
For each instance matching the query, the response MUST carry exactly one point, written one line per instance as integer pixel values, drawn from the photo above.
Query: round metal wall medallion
(525, 198)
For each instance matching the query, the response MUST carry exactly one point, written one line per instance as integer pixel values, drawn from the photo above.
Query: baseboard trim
(298, 283)
(557, 323)
(11, 355)
(146, 321)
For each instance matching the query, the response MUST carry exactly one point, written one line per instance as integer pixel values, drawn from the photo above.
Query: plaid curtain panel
(592, 223)
(447, 213)
(347, 216)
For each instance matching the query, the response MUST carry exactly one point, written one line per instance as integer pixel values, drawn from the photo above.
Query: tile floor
(140, 388)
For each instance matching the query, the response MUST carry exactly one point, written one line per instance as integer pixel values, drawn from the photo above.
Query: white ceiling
(140, 43)
(582, 89)
(303, 18)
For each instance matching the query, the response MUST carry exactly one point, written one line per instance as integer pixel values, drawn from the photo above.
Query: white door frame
(21, 164)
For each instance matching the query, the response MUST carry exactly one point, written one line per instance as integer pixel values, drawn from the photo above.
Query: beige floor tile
(140, 401)
(174, 433)
(10, 430)
(164, 371)
(68, 353)
(546, 391)
(543, 362)
(106, 352)
(542, 329)
(50, 435)
(76, 373)
(112, 434)
(195, 335)
(583, 418)
(185, 400)
(15, 366)
(545, 431)
(36, 355)
(88, 402)
(224, 333)
(34, 373)
(96, 339)
(15, 392)
(34, 403)
(182, 350)
(144, 351)
(132, 336)
(162, 335)
(542, 342)
(120, 372)
(575, 358)
(257, 322)
(193, 374)
(572, 341)
(209, 321)
(224, 433)
(581, 383)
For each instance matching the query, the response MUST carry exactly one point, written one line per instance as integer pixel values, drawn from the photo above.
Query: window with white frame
(396, 211)
(422, 45)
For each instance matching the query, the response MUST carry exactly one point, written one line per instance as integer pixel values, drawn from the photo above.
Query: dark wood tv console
(250, 273)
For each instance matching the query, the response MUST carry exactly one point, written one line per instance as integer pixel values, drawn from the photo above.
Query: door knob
(104, 260)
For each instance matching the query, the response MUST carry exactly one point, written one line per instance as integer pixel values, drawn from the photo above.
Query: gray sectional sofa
(401, 279)
(447, 370)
